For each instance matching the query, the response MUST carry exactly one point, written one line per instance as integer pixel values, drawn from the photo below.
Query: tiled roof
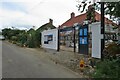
(81, 18)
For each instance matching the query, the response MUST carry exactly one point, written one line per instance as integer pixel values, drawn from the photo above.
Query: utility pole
(74, 39)
(102, 29)
(58, 49)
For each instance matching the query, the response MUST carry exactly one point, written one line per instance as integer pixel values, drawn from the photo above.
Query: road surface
(19, 62)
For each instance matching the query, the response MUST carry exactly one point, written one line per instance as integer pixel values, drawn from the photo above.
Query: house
(46, 26)
(81, 18)
(67, 39)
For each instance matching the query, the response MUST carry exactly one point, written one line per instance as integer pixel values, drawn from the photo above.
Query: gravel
(68, 59)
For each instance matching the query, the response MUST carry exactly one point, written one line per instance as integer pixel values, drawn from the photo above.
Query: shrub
(112, 50)
(14, 38)
(19, 44)
(110, 66)
(107, 69)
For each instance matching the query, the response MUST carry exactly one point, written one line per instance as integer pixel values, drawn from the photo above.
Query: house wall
(109, 31)
(50, 39)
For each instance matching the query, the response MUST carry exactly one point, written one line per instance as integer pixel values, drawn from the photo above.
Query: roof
(46, 26)
(72, 21)
(80, 18)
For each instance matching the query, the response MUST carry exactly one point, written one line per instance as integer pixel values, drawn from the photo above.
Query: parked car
(2, 37)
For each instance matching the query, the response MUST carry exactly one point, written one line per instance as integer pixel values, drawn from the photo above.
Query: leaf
(89, 2)
(84, 7)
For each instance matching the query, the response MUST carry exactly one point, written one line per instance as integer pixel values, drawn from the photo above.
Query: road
(19, 62)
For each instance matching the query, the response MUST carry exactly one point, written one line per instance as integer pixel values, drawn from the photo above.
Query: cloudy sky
(23, 14)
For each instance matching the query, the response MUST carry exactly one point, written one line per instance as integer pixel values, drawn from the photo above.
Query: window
(48, 38)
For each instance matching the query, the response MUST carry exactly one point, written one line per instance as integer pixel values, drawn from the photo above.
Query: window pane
(81, 32)
(85, 32)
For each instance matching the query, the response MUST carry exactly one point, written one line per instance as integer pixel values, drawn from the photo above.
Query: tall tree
(111, 8)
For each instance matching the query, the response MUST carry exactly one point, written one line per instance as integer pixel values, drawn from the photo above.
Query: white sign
(96, 39)
(50, 39)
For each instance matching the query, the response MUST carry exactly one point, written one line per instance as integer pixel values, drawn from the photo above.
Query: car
(2, 37)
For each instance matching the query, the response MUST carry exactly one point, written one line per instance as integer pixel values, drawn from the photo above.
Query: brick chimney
(72, 15)
(50, 21)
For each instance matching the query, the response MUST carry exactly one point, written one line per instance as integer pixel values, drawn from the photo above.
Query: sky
(24, 14)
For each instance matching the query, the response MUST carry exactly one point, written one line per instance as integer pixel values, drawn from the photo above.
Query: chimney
(50, 21)
(72, 15)
(59, 26)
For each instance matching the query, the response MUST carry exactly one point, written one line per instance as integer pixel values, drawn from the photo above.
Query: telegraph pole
(102, 29)
(58, 47)
(74, 39)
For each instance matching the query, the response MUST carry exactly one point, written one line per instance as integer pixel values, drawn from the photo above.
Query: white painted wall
(54, 43)
(108, 28)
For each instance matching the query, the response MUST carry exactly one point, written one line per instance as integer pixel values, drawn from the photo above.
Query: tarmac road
(19, 62)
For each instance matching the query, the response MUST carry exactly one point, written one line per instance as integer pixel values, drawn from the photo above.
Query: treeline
(30, 38)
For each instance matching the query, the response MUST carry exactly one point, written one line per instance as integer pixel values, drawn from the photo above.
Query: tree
(9, 33)
(31, 40)
(22, 37)
(6, 33)
(111, 8)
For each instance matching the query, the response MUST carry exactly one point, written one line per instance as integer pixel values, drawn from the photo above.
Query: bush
(37, 38)
(31, 44)
(107, 69)
(110, 66)
(19, 44)
(13, 38)
(112, 50)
